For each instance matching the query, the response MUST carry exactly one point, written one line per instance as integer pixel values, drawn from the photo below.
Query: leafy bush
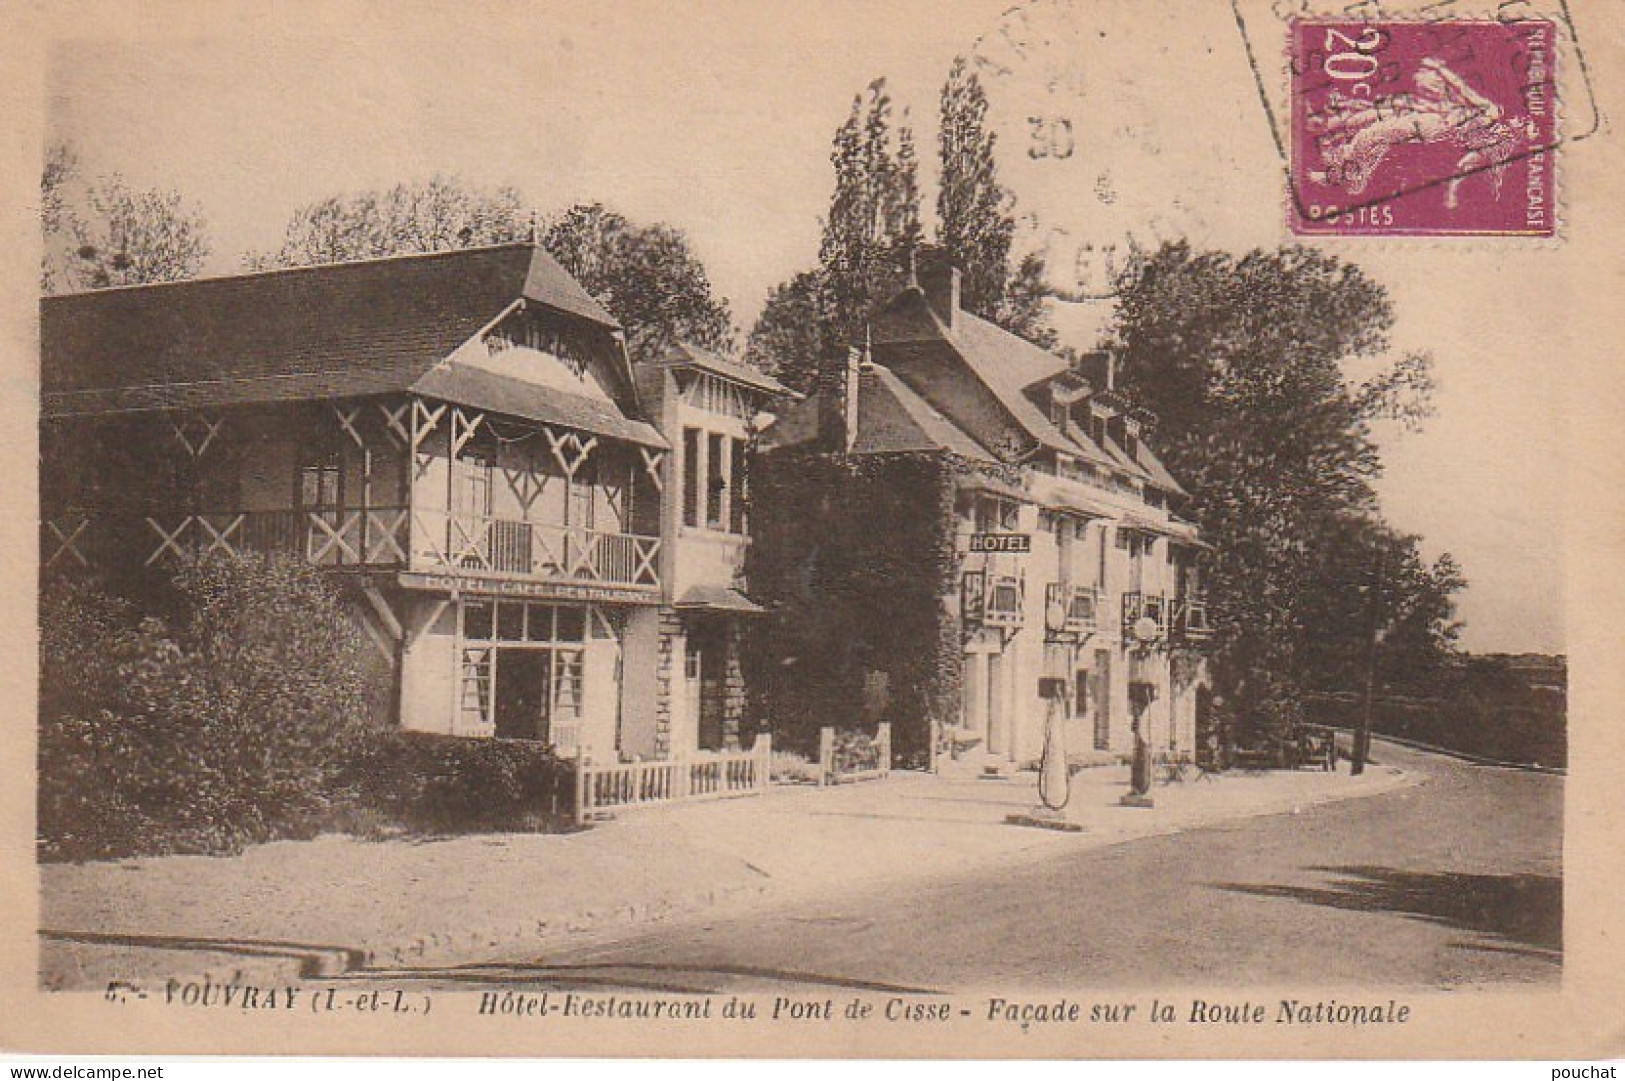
(427, 783)
(790, 767)
(222, 724)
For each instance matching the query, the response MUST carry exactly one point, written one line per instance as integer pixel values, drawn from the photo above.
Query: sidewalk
(305, 908)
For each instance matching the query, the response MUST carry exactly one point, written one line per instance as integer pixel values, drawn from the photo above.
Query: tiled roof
(687, 355)
(466, 384)
(718, 599)
(335, 330)
(1010, 366)
(1156, 471)
(892, 419)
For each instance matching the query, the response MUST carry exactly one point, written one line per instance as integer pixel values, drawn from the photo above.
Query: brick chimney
(1099, 368)
(939, 281)
(838, 399)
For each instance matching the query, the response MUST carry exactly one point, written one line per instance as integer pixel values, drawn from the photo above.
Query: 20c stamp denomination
(1444, 128)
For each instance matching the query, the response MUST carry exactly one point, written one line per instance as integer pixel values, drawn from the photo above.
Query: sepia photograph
(928, 530)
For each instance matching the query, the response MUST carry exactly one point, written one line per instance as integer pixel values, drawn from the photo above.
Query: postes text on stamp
(1423, 129)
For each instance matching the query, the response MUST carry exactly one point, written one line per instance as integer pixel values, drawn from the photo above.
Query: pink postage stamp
(1442, 128)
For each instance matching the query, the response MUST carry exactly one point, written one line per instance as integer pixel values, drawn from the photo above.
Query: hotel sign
(1001, 542)
(520, 587)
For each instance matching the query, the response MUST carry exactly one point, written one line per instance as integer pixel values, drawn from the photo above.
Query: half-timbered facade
(458, 437)
(1075, 584)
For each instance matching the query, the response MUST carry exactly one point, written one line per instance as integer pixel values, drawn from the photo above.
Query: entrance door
(707, 668)
(521, 686)
(997, 722)
(1101, 698)
(972, 697)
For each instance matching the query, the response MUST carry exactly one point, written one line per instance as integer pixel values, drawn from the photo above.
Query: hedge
(240, 715)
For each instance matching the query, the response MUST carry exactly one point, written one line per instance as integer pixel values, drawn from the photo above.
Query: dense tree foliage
(646, 275)
(1243, 359)
(872, 228)
(103, 234)
(439, 214)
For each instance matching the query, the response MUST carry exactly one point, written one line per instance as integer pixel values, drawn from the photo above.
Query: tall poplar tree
(976, 225)
(872, 227)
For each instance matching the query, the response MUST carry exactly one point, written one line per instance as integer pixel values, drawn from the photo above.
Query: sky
(718, 118)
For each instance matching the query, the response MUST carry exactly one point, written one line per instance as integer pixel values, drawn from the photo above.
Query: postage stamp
(1423, 128)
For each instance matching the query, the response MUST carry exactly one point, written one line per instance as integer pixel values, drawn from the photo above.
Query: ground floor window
(524, 668)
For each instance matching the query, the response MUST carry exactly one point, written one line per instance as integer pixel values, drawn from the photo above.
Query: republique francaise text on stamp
(1423, 128)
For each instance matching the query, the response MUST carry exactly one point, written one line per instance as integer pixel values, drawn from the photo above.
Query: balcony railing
(354, 536)
(993, 600)
(1070, 609)
(1005, 594)
(1145, 606)
(1191, 618)
(505, 546)
(329, 537)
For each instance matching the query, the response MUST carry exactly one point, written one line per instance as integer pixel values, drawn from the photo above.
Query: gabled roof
(690, 356)
(1156, 471)
(1013, 370)
(335, 330)
(892, 419)
(1005, 364)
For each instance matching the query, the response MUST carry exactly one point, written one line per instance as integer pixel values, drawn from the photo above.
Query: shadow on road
(312, 958)
(1524, 909)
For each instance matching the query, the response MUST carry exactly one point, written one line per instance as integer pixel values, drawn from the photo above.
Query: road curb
(1463, 756)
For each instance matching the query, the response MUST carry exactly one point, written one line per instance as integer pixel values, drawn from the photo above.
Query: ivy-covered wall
(854, 558)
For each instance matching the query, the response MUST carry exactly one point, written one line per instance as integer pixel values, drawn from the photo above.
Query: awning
(981, 482)
(1067, 503)
(718, 599)
(1186, 533)
(1175, 530)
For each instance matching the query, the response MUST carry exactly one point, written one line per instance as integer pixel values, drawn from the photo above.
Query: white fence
(854, 756)
(706, 775)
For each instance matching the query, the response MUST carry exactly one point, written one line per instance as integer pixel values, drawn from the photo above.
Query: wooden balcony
(507, 547)
(992, 600)
(1070, 610)
(336, 537)
(1191, 623)
(1148, 606)
(380, 537)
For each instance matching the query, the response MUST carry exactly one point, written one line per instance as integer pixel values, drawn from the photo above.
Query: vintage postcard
(1056, 529)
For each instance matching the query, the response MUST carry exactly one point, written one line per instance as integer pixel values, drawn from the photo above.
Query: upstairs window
(321, 481)
(736, 503)
(691, 477)
(716, 480)
(995, 515)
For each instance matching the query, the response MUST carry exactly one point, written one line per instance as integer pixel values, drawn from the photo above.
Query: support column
(669, 679)
(733, 690)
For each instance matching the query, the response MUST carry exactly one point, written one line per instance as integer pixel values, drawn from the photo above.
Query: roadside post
(1362, 735)
(1054, 772)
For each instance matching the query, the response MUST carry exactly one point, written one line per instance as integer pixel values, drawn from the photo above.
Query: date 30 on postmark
(1444, 128)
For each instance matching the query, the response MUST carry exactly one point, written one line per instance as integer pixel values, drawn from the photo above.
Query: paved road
(1455, 881)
